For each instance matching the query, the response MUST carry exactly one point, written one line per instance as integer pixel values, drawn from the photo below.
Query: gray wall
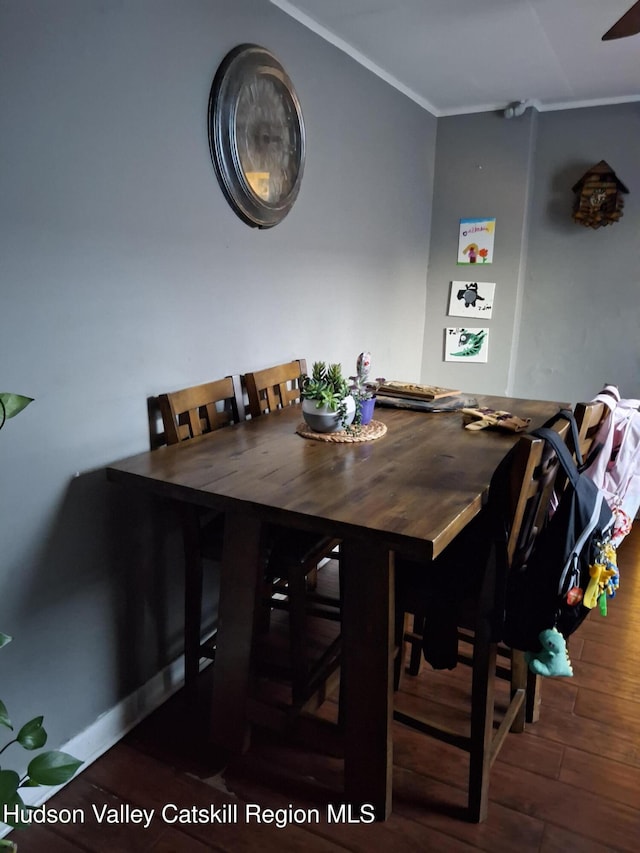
(125, 273)
(566, 311)
(581, 306)
(482, 170)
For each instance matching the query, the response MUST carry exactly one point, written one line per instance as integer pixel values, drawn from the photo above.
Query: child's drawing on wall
(471, 298)
(475, 241)
(466, 345)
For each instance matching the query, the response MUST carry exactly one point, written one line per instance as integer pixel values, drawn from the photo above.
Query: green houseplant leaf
(4, 716)
(10, 800)
(32, 735)
(12, 404)
(13, 807)
(9, 782)
(4, 639)
(52, 768)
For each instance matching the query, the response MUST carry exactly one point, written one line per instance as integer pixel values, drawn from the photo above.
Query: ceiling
(466, 56)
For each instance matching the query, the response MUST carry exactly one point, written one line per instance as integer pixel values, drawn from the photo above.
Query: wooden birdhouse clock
(599, 198)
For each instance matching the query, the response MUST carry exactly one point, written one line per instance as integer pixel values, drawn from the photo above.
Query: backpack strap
(562, 451)
(567, 415)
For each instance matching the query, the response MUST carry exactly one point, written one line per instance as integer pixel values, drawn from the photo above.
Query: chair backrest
(532, 476)
(589, 418)
(274, 387)
(201, 408)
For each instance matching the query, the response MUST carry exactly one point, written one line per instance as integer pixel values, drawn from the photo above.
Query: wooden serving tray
(415, 391)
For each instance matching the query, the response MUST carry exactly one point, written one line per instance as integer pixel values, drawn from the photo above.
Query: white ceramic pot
(323, 419)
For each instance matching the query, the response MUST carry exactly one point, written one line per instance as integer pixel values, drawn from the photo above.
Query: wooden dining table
(410, 491)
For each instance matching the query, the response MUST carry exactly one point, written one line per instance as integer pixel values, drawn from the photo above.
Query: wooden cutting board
(414, 391)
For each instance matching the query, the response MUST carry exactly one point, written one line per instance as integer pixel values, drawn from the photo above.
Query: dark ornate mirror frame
(255, 117)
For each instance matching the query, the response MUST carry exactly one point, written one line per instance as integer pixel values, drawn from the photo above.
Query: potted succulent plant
(364, 390)
(47, 768)
(327, 404)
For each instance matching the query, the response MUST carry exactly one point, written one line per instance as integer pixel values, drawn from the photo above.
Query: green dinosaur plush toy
(553, 658)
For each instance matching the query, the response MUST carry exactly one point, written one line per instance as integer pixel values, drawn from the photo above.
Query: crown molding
(345, 47)
(331, 37)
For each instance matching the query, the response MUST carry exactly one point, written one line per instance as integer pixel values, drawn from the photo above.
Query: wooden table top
(413, 489)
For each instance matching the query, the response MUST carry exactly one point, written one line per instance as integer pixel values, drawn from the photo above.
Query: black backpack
(536, 592)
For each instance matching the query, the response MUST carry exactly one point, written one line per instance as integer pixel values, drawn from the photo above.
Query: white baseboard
(111, 727)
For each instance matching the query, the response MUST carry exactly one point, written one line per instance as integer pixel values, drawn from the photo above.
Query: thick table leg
(240, 587)
(192, 598)
(368, 632)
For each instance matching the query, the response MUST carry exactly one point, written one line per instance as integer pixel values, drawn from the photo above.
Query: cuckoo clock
(599, 198)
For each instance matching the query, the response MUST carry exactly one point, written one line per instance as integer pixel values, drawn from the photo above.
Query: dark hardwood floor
(571, 782)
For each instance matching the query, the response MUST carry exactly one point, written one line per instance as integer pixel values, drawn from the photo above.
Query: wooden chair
(470, 569)
(201, 408)
(295, 555)
(274, 387)
(588, 417)
(186, 414)
(503, 668)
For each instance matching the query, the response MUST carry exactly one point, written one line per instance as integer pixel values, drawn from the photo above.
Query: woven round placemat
(373, 430)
